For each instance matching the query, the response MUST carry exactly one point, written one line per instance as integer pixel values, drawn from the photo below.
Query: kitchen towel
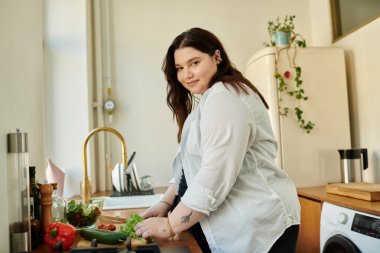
(54, 174)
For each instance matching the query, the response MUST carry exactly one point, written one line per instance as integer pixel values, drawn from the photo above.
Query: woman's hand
(154, 227)
(160, 209)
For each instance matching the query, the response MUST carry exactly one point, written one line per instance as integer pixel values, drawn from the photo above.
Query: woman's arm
(170, 193)
(162, 208)
(181, 219)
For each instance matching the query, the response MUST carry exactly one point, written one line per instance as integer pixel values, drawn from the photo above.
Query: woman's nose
(188, 74)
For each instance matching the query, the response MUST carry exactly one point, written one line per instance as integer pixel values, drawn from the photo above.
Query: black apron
(196, 229)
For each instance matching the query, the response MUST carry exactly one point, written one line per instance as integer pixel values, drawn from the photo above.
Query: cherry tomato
(111, 227)
(97, 211)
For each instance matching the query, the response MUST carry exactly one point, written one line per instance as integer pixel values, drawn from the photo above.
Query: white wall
(21, 89)
(362, 64)
(67, 86)
(321, 23)
(363, 61)
(142, 32)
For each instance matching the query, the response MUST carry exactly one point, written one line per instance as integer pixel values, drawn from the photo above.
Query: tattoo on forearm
(186, 218)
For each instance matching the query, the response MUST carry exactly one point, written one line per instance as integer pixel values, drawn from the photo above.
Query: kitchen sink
(141, 201)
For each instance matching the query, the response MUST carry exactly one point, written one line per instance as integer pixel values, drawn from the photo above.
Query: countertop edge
(319, 194)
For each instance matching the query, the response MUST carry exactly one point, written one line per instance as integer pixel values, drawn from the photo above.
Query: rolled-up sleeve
(227, 130)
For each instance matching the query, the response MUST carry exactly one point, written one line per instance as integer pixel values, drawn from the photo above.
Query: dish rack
(133, 192)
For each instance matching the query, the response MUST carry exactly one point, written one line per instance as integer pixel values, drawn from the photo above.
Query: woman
(241, 199)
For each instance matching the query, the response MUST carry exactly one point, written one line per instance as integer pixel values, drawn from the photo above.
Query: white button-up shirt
(227, 153)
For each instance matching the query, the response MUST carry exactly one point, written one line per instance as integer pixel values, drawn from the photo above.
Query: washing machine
(345, 230)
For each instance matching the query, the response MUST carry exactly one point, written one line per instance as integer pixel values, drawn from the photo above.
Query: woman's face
(195, 68)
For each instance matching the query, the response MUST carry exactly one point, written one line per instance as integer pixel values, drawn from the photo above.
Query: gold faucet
(86, 184)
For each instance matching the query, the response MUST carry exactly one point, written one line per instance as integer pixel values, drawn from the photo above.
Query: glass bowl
(83, 215)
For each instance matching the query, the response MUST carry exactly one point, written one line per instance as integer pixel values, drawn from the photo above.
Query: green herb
(129, 227)
(286, 25)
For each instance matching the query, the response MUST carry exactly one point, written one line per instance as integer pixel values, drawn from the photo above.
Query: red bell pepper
(57, 233)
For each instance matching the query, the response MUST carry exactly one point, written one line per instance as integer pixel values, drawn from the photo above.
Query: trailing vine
(295, 40)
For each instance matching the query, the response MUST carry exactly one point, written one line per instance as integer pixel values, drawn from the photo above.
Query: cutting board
(364, 191)
(82, 243)
(117, 221)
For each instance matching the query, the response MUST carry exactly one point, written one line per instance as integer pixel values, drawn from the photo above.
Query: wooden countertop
(319, 194)
(182, 239)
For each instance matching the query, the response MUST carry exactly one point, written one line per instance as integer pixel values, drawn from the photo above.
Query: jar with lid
(58, 209)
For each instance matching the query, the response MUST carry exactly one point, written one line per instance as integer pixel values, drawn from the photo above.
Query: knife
(131, 159)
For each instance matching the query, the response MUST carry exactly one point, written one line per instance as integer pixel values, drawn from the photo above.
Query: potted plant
(282, 33)
(283, 37)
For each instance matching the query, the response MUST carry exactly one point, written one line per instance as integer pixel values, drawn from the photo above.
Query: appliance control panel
(366, 225)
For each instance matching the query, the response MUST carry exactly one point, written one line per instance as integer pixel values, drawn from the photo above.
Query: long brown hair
(179, 99)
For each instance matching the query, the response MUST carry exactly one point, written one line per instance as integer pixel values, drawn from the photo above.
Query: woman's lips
(192, 83)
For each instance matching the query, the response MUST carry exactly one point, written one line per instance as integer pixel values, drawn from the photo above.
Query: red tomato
(111, 227)
(97, 211)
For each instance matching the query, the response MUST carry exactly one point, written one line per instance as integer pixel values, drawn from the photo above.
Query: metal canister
(18, 192)
(352, 164)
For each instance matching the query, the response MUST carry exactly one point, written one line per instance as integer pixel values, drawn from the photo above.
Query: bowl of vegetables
(82, 215)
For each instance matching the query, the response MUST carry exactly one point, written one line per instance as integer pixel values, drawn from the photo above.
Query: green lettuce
(129, 227)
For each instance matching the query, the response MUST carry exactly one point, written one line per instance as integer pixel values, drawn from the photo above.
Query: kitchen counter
(319, 193)
(311, 201)
(182, 239)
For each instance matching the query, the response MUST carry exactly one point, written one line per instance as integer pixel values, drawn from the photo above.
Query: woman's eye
(194, 63)
(178, 69)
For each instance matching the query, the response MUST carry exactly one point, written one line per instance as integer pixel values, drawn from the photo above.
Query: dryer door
(340, 244)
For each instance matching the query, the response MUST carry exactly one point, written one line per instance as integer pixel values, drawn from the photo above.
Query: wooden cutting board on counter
(117, 221)
(364, 191)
